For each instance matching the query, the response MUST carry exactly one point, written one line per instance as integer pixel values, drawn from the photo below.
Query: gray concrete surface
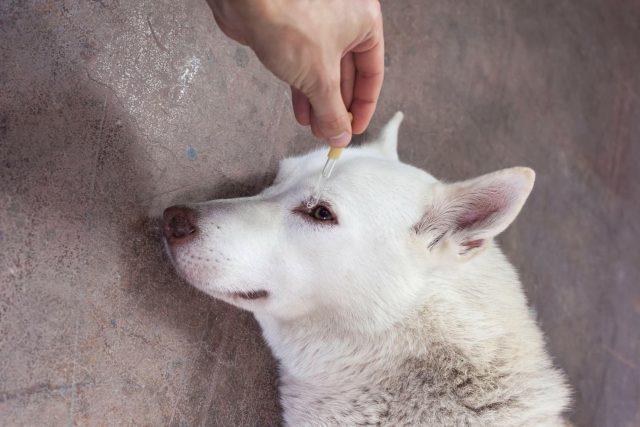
(111, 110)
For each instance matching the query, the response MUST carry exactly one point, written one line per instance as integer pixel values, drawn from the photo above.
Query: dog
(386, 303)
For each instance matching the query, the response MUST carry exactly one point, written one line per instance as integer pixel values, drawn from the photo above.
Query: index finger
(369, 64)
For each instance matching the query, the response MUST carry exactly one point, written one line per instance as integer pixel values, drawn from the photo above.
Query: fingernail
(340, 140)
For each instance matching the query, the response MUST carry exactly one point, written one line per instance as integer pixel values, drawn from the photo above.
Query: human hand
(330, 52)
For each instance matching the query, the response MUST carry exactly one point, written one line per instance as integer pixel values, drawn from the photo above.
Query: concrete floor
(113, 109)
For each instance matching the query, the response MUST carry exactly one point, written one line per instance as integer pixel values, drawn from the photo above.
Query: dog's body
(387, 304)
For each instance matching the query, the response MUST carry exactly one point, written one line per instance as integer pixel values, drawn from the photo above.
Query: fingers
(301, 107)
(329, 118)
(328, 88)
(347, 78)
(369, 65)
(325, 124)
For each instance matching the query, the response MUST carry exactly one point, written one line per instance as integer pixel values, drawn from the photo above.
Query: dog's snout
(179, 223)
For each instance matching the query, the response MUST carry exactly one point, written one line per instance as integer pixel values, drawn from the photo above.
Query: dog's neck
(319, 347)
(316, 353)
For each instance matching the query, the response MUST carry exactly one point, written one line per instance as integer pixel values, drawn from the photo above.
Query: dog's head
(364, 253)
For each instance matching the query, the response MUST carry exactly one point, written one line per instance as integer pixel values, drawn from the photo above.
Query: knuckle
(325, 84)
(331, 123)
(316, 80)
(327, 125)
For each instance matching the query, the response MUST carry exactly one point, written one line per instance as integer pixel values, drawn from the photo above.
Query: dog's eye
(322, 213)
(319, 214)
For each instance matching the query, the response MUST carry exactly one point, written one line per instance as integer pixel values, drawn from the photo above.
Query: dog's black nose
(179, 223)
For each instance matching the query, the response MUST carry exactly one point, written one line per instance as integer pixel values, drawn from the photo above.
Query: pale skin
(331, 53)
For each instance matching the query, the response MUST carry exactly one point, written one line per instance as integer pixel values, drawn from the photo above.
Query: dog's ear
(387, 142)
(465, 216)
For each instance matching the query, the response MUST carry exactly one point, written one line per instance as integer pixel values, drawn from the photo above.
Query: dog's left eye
(322, 213)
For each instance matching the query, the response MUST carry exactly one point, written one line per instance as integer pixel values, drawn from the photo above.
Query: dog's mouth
(249, 295)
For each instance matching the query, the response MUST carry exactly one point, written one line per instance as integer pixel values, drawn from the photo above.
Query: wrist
(245, 18)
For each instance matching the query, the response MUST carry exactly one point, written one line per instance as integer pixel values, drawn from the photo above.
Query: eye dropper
(332, 157)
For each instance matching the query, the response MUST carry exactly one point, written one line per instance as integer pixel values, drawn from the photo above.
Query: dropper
(332, 157)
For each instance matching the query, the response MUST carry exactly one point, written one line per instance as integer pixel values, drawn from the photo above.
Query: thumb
(329, 117)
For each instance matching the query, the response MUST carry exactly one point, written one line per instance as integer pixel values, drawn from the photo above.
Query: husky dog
(388, 302)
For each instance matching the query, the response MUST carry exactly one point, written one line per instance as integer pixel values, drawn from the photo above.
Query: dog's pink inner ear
(469, 214)
(480, 209)
(473, 244)
(475, 211)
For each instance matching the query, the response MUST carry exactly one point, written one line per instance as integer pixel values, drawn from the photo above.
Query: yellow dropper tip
(335, 153)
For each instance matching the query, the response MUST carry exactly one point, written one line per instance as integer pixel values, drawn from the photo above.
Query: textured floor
(111, 110)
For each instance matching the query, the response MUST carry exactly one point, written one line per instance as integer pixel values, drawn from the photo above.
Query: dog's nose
(179, 223)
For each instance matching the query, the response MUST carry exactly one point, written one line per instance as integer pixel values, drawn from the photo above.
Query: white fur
(404, 313)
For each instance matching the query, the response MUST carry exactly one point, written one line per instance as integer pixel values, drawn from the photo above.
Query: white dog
(386, 304)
